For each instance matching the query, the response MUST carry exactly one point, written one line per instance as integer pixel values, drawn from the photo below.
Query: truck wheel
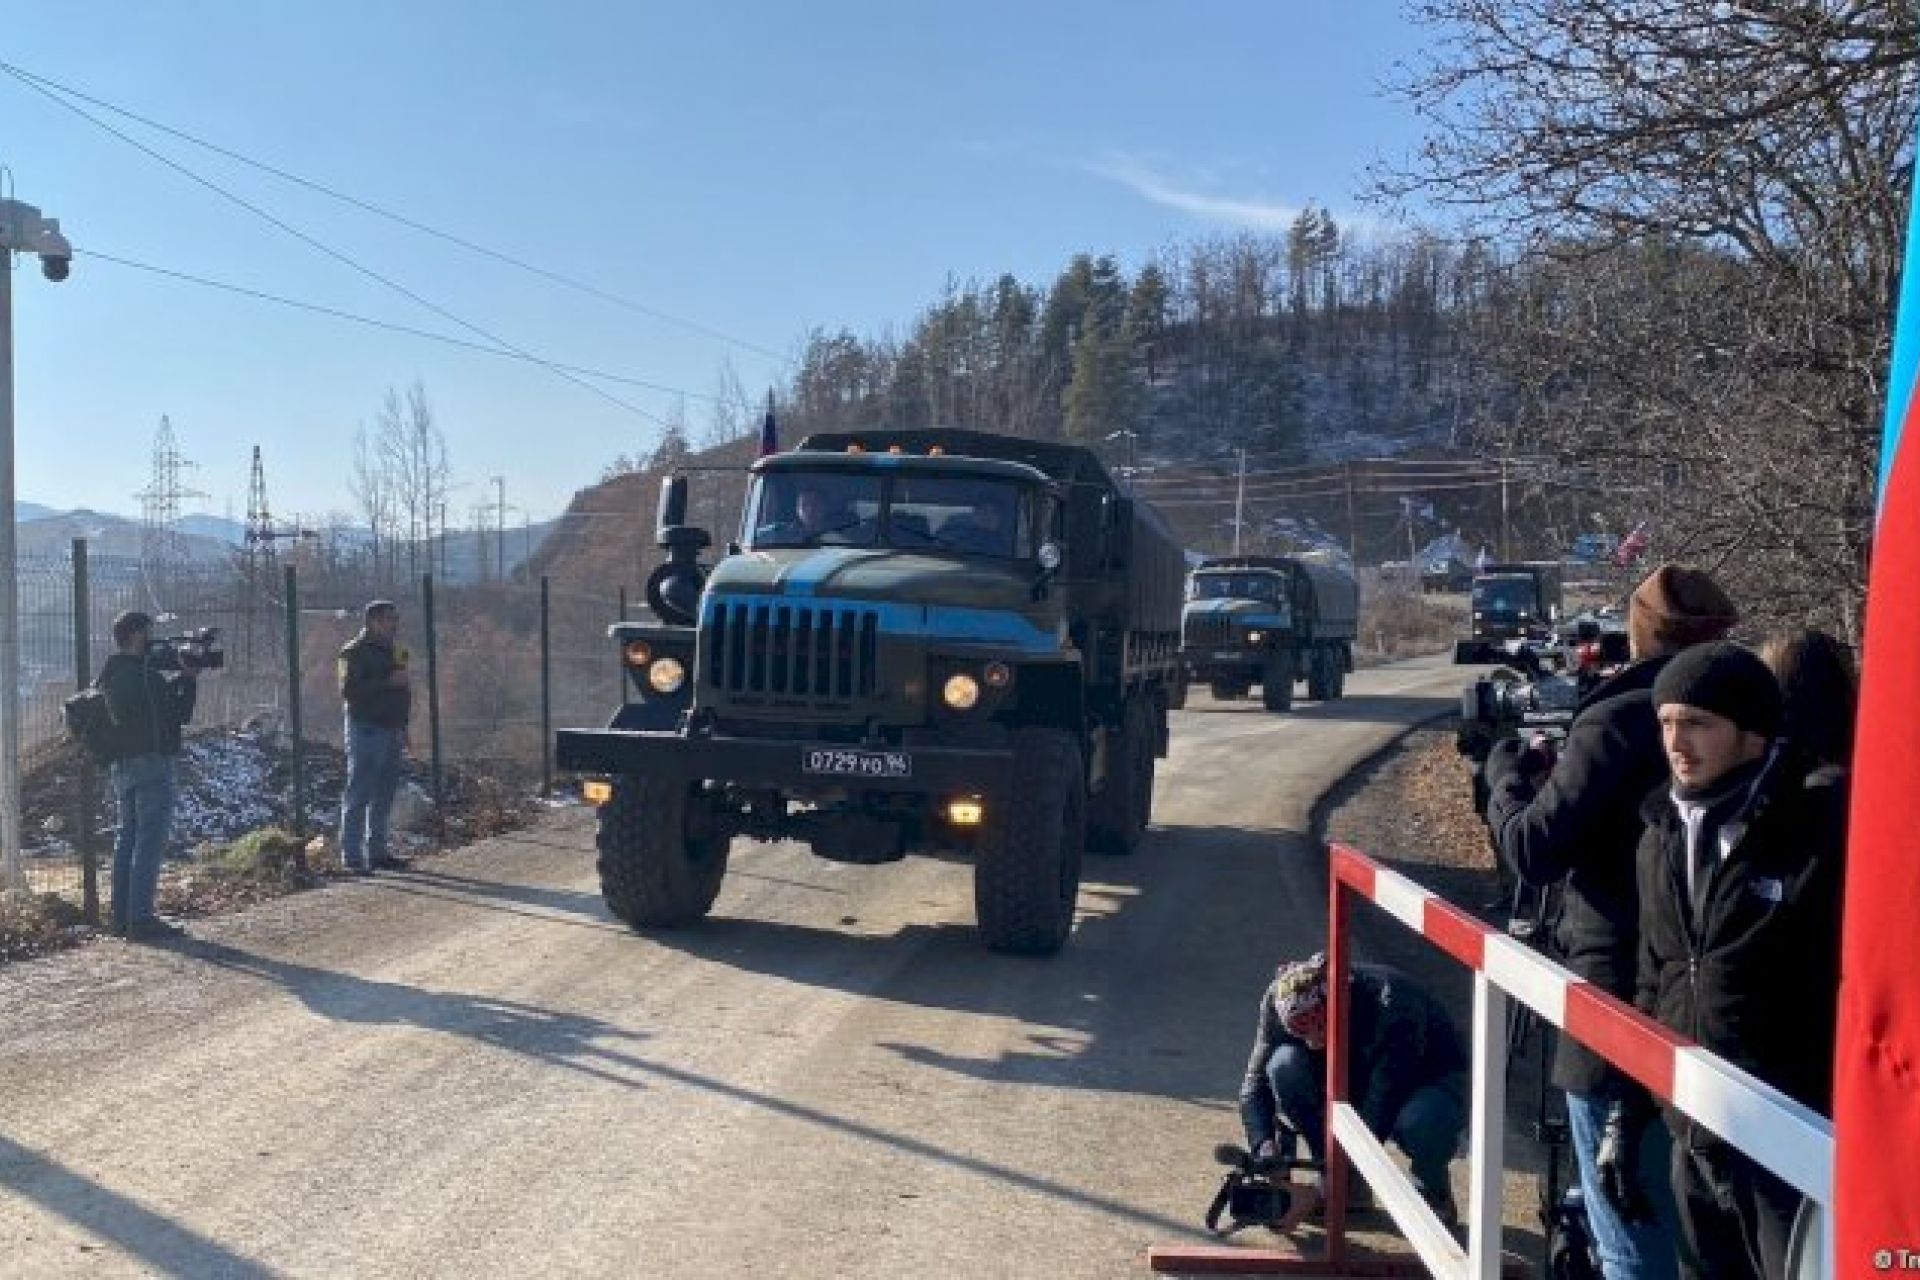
(1320, 675)
(1117, 816)
(1026, 876)
(1177, 694)
(1276, 683)
(654, 872)
(1337, 674)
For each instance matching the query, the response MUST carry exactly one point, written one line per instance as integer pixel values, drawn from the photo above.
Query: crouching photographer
(150, 692)
(1406, 1064)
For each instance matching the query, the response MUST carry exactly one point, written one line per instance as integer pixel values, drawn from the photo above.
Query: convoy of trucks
(1270, 621)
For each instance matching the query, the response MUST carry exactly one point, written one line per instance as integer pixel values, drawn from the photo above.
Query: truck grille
(1205, 630)
(797, 651)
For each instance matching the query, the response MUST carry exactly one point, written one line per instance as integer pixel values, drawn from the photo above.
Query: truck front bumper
(787, 766)
(1207, 663)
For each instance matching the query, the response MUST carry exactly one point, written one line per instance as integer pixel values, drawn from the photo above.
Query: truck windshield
(1504, 595)
(1234, 586)
(973, 516)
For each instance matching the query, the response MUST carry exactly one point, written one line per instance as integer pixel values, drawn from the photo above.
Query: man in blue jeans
(1406, 1068)
(148, 704)
(378, 694)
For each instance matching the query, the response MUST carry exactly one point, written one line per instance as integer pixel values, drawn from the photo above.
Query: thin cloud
(1237, 211)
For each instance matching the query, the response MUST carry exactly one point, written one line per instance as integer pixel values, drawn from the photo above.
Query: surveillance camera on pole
(23, 229)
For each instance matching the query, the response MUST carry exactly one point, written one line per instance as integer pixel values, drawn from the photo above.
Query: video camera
(1256, 1192)
(190, 651)
(1538, 688)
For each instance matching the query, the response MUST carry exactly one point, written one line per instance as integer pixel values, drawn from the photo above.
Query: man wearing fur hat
(1578, 825)
(1740, 891)
(1406, 1067)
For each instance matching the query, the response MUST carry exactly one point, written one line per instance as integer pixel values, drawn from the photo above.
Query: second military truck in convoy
(1270, 621)
(922, 639)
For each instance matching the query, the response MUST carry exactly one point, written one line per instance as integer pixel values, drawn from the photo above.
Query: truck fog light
(596, 792)
(966, 813)
(999, 675)
(961, 692)
(666, 675)
(639, 653)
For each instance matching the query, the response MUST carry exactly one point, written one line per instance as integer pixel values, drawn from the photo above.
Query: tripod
(1531, 920)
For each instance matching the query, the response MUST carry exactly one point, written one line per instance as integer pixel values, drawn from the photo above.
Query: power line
(390, 326)
(43, 84)
(336, 254)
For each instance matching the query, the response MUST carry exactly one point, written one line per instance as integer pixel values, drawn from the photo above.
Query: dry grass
(1396, 624)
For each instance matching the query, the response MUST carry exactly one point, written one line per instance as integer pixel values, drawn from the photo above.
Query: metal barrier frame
(1792, 1141)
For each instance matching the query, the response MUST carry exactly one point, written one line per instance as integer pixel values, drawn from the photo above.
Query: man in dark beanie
(1740, 879)
(1578, 826)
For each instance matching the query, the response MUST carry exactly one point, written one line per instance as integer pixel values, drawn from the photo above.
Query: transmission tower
(161, 549)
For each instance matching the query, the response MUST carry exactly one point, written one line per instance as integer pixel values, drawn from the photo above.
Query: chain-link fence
(497, 667)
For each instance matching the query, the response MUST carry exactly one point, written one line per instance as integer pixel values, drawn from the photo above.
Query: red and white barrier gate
(1791, 1140)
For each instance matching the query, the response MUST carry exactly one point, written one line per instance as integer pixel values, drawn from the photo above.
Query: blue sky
(754, 169)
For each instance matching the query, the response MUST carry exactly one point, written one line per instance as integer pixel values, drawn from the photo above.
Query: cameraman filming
(148, 704)
(1406, 1064)
(1576, 821)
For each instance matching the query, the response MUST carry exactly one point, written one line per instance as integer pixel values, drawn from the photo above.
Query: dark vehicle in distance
(1516, 601)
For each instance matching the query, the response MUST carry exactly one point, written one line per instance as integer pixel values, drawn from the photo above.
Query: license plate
(857, 764)
(1227, 655)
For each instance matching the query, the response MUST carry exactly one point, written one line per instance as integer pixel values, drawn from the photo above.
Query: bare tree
(372, 486)
(412, 453)
(1749, 165)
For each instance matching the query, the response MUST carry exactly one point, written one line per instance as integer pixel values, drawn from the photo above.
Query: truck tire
(1117, 816)
(1026, 875)
(1276, 682)
(653, 872)
(1177, 693)
(1227, 690)
(1320, 669)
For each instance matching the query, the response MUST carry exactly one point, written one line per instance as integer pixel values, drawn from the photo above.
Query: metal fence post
(87, 797)
(294, 728)
(546, 696)
(433, 705)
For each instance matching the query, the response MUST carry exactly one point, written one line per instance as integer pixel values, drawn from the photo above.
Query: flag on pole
(1876, 1105)
(769, 434)
(1633, 546)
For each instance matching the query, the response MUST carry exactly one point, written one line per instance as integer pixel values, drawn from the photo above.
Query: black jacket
(367, 664)
(1582, 827)
(1756, 978)
(148, 705)
(1401, 1040)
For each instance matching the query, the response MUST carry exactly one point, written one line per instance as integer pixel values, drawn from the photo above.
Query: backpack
(90, 722)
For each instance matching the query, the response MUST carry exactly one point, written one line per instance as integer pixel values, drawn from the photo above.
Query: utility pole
(1240, 502)
(500, 527)
(22, 230)
(1353, 535)
(1506, 529)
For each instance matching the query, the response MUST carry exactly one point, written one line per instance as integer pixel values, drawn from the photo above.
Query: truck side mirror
(673, 507)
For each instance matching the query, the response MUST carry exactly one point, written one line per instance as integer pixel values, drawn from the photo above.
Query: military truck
(1519, 601)
(932, 639)
(1270, 621)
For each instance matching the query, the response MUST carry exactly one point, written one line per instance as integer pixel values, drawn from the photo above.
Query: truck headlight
(639, 653)
(961, 692)
(666, 675)
(1256, 637)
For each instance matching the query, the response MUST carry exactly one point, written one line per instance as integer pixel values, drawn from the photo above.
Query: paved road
(471, 1070)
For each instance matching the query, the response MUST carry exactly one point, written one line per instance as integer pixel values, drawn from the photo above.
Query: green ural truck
(1269, 620)
(934, 639)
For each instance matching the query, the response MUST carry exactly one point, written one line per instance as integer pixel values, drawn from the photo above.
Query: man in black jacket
(1406, 1069)
(1579, 826)
(148, 705)
(1740, 890)
(378, 693)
